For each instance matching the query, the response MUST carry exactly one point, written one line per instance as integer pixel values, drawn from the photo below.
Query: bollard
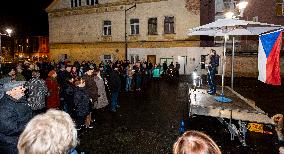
(182, 127)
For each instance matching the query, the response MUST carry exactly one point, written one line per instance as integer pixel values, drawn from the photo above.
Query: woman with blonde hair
(49, 133)
(195, 142)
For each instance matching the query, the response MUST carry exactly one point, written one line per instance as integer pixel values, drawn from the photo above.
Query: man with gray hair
(14, 115)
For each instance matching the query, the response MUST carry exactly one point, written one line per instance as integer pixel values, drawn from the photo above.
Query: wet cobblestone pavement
(148, 122)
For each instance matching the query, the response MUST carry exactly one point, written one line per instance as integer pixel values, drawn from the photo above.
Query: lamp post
(9, 31)
(125, 28)
(241, 7)
(240, 12)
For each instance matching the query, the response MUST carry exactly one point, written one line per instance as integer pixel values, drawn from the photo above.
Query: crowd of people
(43, 105)
(30, 89)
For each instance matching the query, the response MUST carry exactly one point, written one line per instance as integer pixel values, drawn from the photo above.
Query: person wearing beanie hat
(15, 113)
(8, 86)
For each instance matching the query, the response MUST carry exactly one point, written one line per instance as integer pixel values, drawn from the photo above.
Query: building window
(229, 5)
(75, 3)
(166, 60)
(107, 28)
(134, 24)
(92, 2)
(279, 7)
(107, 58)
(134, 58)
(169, 25)
(255, 18)
(152, 26)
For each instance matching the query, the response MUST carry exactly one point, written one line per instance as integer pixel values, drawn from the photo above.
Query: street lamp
(240, 12)
(9, 31)
(241, 7)
(125, 29)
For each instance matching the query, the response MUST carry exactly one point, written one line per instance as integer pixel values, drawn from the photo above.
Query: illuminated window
(134, 24)
(107, 28)
(255, 18)
(107, 58)
(279, 7)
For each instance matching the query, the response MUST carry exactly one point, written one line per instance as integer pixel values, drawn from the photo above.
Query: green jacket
(156, 72)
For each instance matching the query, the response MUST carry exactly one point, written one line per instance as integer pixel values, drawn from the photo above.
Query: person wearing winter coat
(69, 89)
(114, 84)
(91, 86)
(156, 72)
(15, 113)
(53, 100)
(37, 92)
(102, 99)
(82, 103)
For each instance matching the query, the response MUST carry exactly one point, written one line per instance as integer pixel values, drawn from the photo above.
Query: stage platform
(201, 103)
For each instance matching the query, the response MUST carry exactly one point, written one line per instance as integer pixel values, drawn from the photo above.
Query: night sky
(25, 17)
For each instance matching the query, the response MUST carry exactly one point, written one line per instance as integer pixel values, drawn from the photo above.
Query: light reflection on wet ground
(149, 123)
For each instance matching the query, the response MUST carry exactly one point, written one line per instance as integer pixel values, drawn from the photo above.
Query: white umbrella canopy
(222, 23)
(232, 27)
(227, 24)
(239, 31)
(209, 32)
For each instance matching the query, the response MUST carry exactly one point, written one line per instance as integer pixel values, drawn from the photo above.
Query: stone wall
(246, 66)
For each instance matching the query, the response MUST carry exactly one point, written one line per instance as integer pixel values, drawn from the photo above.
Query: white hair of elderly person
(53, 132)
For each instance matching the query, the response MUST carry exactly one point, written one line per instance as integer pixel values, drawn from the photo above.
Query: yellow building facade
(82, 30)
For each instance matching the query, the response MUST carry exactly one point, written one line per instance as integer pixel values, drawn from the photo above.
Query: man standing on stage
(212, 71)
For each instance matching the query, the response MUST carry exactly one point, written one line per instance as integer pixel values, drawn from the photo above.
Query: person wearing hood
(15, 113)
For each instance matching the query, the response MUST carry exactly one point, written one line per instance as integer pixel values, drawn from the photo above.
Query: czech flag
(269, 57)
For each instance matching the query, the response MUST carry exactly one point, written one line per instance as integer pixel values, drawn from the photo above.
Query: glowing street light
(9, 31)
(241, 7)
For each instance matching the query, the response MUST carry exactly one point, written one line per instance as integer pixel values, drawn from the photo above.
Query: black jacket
(14, 115)
(81, 101)
(114, 81)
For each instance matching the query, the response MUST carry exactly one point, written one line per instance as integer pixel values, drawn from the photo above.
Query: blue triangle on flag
(268, 41)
